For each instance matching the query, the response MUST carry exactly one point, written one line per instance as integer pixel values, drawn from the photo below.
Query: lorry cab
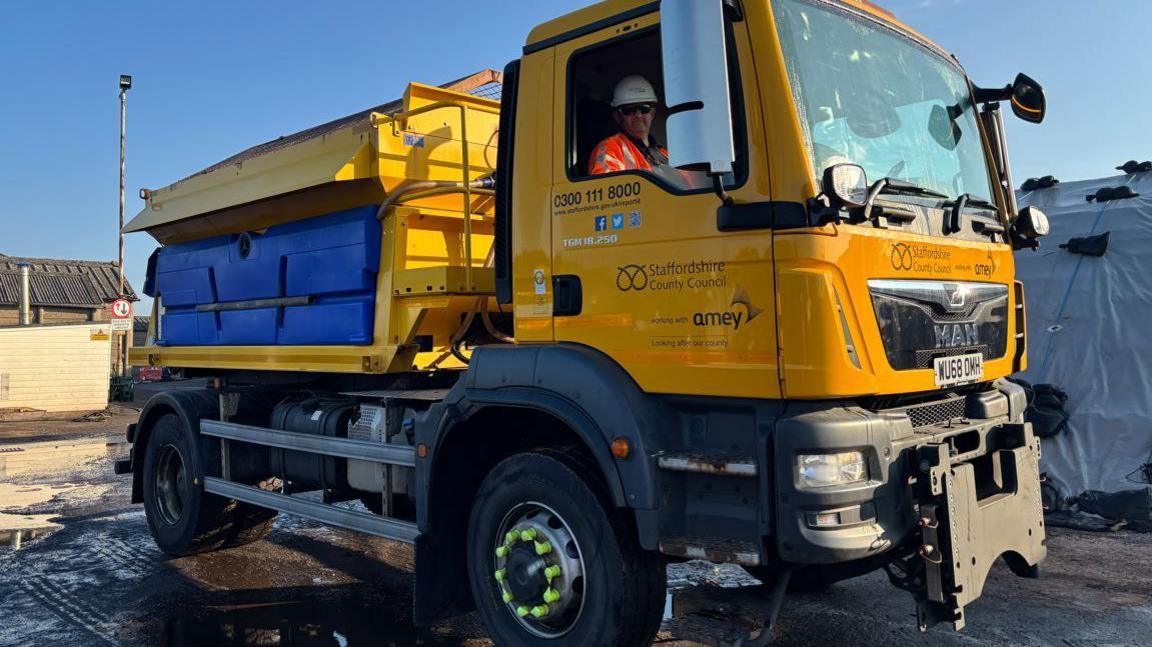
(772, 294)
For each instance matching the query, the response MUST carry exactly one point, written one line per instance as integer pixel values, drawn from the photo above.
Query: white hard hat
(633, 89)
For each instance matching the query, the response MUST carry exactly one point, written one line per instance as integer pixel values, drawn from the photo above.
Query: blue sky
(214, 77)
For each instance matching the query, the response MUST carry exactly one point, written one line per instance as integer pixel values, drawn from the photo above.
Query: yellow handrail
(466, 170)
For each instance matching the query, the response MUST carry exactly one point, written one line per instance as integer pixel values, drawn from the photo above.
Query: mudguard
(586, 390)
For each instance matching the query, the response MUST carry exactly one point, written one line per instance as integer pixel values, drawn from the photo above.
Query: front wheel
(551, 562)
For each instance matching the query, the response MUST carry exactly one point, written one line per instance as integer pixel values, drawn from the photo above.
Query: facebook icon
(601, 223)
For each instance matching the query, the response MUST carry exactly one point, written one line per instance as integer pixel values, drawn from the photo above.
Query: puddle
(337, 622)
(16, 529)
(56, 457)
(18, 496)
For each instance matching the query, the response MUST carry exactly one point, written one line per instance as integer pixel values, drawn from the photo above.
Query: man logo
(901, 257)
(631, 277)
(956, 335)
(956, 296)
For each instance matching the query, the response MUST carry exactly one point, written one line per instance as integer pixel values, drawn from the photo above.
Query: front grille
(924, 358)
(922, 320)
(936, 413)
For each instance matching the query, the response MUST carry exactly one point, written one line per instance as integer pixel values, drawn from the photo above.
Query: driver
(634, 148)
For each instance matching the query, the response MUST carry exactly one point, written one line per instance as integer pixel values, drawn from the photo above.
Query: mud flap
(974, 514)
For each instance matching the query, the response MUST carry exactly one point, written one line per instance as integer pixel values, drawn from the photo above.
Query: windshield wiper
(900, 187)
(892, 186)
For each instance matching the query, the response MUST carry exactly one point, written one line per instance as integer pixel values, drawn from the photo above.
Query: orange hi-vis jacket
(619, 153)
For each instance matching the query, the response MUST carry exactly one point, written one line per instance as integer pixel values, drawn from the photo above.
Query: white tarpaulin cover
(1090, 332)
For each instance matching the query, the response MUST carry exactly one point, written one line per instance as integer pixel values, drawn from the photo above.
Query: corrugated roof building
(61, 290)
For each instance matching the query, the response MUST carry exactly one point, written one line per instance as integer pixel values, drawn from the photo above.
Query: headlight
(823, 470)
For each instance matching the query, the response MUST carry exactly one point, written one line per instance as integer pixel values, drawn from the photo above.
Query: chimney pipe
(25, 296)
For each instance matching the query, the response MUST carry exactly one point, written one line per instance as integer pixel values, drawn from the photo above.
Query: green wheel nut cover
(551, 595)
(500, 574)
(540, 611)
(521, 611)
(528, 535)
(507, 597)
(552, 572)
(543, 547)
(501, 551)
(511, 537)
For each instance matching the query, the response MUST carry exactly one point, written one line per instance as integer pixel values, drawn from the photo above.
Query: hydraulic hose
(407, 188)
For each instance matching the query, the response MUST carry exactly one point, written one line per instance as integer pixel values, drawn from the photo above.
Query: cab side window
(616, 114)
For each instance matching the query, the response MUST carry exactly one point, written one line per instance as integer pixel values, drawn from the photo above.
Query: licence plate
(958, 369)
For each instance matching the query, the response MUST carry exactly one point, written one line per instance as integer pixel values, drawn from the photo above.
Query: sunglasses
(643, 108)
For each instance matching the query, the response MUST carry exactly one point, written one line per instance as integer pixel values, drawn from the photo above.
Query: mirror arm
(718, 188)
(992, 95)
(874, 192)
(1006, 166)
(954, 220)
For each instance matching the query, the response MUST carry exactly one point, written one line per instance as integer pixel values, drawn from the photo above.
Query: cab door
(641, 269)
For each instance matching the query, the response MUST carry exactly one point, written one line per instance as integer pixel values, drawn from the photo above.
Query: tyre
(182, 517)
(551, 562)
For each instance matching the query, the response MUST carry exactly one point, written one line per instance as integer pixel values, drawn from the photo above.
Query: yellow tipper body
(425, 281)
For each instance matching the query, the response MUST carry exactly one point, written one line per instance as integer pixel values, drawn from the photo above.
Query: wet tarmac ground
(99, 580)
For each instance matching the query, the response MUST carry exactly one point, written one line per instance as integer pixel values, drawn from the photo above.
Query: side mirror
(1031, 223)
(846, 185)
(1028, 99)
(699, 125)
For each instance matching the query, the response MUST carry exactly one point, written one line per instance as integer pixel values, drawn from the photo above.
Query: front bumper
(948, 499)
(990, 448)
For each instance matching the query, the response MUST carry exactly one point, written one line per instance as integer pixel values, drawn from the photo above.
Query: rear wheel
(551, 562)
(182, 517)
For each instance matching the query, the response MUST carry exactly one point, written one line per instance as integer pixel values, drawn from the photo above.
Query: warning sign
(121, 314)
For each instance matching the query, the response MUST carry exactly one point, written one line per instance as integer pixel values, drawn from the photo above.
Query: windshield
(870, 96)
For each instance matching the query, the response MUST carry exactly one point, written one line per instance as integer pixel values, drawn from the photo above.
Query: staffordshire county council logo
(901, 256)
(631, 277)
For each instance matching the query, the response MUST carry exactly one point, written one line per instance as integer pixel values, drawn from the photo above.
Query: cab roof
(610, 12)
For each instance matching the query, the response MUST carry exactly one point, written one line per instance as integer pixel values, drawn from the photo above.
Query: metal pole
(122, 338)
(25, 296)
(120, 229)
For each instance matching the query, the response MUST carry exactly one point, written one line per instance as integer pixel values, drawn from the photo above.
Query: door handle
(569, 295)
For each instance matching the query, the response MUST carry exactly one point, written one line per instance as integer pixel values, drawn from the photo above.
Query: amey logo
(988, 268)
(734, 317)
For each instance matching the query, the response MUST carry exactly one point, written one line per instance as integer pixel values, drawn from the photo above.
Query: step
(341, 517)
(712, 549)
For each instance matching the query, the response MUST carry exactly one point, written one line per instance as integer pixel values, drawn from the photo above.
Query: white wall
(55, 368)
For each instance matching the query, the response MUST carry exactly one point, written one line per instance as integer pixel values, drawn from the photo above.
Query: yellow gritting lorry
(780, 340)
